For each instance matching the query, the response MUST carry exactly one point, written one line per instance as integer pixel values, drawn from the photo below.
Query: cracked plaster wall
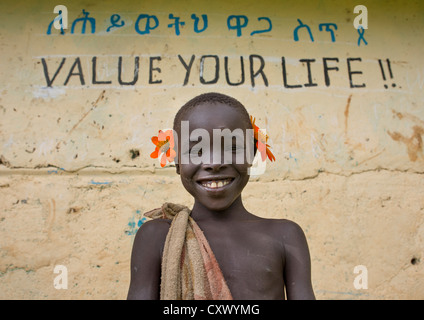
(75, 171)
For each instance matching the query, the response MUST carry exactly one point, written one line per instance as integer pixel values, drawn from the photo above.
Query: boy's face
(215, 184)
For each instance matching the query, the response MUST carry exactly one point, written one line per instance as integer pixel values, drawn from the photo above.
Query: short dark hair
(213, 97)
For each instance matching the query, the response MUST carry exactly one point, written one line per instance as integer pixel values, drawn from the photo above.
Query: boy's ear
(177, 166)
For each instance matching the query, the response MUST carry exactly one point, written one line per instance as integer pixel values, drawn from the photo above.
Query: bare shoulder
(286, 230)
(156, 229)
(151, 234)
(156, 225)
(297, 262)
(281, 225)
(290, 228)
(146, 259)
(297, 268)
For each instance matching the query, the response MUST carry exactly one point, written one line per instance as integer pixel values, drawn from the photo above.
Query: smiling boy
(242, 255)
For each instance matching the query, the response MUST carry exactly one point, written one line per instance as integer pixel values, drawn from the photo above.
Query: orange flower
(164, 143)
(261, 141)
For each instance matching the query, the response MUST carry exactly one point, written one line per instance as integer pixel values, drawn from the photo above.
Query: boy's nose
(214, 167)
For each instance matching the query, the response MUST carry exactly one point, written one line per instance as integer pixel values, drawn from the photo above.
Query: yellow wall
(75, 171)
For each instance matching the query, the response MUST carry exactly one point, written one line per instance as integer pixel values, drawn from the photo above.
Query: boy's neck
(235, 211)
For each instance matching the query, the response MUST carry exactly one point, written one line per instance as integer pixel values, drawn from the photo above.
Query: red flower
(164, 143)
(261, 142)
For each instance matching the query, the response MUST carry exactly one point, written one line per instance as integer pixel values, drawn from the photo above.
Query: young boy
(242, 256)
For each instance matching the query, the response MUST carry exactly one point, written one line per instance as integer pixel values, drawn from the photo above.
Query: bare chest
(251, 260)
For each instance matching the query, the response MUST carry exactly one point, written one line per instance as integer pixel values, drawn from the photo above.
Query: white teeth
(216, 184)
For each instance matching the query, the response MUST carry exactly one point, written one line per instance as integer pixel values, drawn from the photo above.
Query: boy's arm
(146, 260)
(297, 270)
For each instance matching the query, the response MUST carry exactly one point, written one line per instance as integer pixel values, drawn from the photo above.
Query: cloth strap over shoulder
(190, 270)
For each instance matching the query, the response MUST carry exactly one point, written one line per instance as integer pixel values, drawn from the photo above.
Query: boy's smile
(215, 184)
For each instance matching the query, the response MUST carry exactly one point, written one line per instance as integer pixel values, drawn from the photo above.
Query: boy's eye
(197, 151)
(236, 148)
